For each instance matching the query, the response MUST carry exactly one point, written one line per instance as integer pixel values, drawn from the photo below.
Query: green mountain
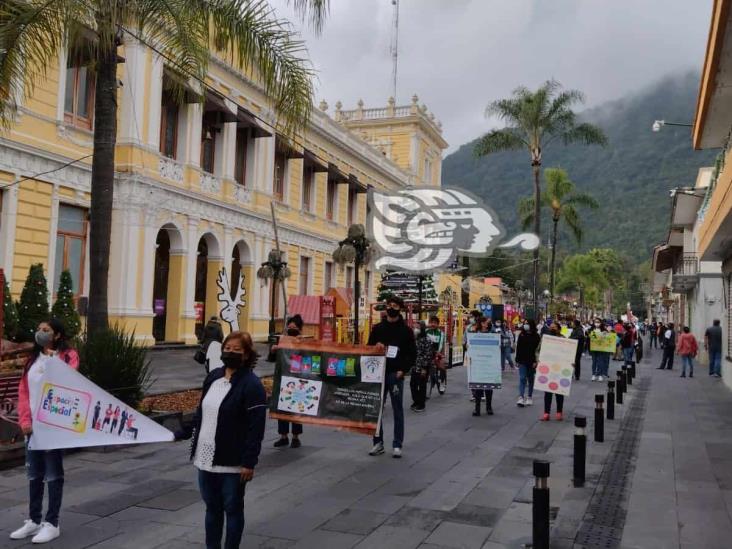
(631, 177)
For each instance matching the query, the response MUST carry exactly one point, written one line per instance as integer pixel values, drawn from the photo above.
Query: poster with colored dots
(555, 368)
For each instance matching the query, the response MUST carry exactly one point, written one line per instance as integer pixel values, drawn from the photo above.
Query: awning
(664, 257)
(356, 185)
(246, 119)
(217, 104)
(314, 162)
(307, 306)
(287, 149)
(685, 206)
(336, 174)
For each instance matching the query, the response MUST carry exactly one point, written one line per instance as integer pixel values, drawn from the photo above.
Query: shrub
(33, 304)
(10, 314)
(117, 363)
(64, 308)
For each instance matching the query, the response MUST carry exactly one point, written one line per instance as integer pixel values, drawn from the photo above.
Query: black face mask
(294, 332)
(391, 312)
(231, 360)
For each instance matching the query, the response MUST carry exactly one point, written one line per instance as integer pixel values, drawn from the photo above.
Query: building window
(331, 200)
(242, 148)
(352, 206)
(280, 167)
(71, 245)
(349, 277)
(208, 148)
(328, 282)
(304, 275)
(168, 126)
(308, 184)
(79, 95)
(428, 171)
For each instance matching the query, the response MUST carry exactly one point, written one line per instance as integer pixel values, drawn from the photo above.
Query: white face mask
(526, 327)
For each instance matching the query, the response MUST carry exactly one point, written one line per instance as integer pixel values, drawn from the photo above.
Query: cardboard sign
(603, 342)
(484, 361)
(555, 368)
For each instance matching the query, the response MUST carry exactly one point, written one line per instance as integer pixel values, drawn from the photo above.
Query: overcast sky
(458, 55)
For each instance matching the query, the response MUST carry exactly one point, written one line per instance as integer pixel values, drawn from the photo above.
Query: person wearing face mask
(293, 329)
(507, 342)
(424, 362)
(554, 330)
(439, 371)
(227, 432)
(579, 334)
(598, 357)
(526, 346)
(393, 337)
(42, 465)
(484, 326)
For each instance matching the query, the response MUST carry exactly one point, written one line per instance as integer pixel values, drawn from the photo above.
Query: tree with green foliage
(562, 200)
(33, 304)
(187, 33)
(10, 313)
(64, 309)
(582, 273)
(534, 120)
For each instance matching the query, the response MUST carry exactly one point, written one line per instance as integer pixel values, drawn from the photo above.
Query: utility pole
(394, 48)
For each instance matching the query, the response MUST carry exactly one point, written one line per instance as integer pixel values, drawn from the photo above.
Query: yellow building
(713, 129)
(193, 188)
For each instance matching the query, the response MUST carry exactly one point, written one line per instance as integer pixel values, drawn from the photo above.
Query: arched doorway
(208, 264)
(166, 299)
(241, 276)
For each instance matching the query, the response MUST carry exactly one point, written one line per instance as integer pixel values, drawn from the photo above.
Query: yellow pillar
(247, 273)
(175, 298)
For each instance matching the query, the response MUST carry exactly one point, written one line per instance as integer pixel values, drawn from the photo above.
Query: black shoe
(281, 443)
(489, 411)
(295, 443)
(419, 409)
(412, 407)
(661, 368)
(669, 368)
(682, 375)
(476, 413)
(691, 375)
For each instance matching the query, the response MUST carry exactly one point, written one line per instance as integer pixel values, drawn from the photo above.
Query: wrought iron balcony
(685, 275)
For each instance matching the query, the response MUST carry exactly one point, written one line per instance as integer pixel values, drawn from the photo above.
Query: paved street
(463, 482)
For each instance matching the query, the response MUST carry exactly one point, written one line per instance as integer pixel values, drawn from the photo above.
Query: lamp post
(546, 295)
(658, 124)
(356, 249)
(276, 270)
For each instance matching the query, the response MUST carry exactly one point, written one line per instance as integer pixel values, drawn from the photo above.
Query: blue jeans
(395, 389)
(526, 377)
(715, 362)
(506, 357)
(687, 359)
(223, 494)
(595, 363)
(48, 466)
(628, 354)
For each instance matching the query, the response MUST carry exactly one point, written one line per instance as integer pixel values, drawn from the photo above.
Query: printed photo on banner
(69, 411)
(484, 361)
(603, 342)
(324, 383)
(555, 368)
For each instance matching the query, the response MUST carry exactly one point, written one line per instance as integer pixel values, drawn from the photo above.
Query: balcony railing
(687, 265)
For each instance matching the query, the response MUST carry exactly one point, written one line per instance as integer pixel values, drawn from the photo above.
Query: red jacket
(686, 345)
(25, 416)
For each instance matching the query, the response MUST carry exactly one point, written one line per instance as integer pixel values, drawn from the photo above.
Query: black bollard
(623, 381)
(580, 450)
(619, 389)
(599, 418)
(631, 369)
(540, 509)
(626, 376)
(611, 400)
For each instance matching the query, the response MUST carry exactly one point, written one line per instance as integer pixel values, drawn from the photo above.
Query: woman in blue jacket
(227, 432)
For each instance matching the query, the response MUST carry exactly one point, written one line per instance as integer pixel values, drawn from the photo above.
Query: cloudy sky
(458, 55)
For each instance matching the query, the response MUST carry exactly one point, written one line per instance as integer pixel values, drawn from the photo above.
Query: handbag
(200, 355)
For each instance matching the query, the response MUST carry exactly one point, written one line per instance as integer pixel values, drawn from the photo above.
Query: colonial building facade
(194, 186)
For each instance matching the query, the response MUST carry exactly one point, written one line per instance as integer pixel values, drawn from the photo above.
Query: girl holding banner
(43, 465)
(554, 330)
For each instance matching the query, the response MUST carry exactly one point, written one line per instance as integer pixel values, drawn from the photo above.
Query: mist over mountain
(631, 177)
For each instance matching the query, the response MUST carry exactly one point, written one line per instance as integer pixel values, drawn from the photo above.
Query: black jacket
(526, 346)
(396, 334)
(240, 424)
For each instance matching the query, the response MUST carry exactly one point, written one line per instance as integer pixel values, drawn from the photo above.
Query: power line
(34, 176)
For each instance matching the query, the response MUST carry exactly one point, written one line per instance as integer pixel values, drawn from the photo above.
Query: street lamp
(276, 270)
(356, 249)
(546, 294)
(658, 124)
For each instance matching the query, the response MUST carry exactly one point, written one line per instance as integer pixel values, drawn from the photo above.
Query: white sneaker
(396, 453)
(29, 528)
(377, 450)
(520, 402)
(599, 378)
(48, 532)
(529, 401)
(594, 378)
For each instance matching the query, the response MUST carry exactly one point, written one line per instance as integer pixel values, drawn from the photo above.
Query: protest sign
(554, 370)
(484, 361)
(603, 342)
(69, 411)
(323, 383)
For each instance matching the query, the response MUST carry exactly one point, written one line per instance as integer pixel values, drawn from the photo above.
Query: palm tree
(581, 272)
(562, 200)
(534, 120)
(186, 33)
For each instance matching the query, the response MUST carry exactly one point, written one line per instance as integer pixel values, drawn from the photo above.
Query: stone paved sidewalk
(463, 482)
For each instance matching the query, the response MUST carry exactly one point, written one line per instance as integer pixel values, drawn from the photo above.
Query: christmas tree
(33, 304)
(64, 308)
(10, 314)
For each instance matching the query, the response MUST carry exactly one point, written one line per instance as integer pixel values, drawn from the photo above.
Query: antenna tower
(395, 48)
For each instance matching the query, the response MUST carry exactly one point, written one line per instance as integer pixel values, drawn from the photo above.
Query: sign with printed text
(69, 411)
(555, 368)
(484, 361)
(329, 384)
(602, 342)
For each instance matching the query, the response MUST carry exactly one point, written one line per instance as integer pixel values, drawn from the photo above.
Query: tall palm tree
(534, 120)
(562, 200)
(186, 33)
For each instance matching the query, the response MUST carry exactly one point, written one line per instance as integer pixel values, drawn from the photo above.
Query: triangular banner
(69, 411)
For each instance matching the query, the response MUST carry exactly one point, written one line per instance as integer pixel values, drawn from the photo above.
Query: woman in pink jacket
(42, 465)
(687, 349)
